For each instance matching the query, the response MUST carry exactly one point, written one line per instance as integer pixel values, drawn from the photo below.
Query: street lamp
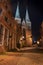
(38, 42)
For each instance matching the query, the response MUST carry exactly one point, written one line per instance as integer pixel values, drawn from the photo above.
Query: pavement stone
(17, 58)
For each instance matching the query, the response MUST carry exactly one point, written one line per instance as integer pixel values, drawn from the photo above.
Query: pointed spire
(27, 15)
(27, 19)
(17, 14)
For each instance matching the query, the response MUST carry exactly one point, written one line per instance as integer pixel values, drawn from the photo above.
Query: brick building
(8, 27)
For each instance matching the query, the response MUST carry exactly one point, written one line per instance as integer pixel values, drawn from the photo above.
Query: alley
(21, 33)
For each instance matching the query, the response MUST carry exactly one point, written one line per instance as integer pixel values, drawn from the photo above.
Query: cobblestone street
(21, 32)
(17, 58)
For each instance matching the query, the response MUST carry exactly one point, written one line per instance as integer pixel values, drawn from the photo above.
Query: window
(1, 29)
(6, 19)
(6, 6)
(9, 11)
(1, 33)
(10, 24)
(0, 10)
(6, 37)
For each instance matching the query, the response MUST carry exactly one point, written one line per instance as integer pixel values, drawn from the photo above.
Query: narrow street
(21, 32)
(20, 58)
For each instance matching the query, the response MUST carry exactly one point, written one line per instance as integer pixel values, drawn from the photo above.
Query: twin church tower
(25, 26)
(24, 21)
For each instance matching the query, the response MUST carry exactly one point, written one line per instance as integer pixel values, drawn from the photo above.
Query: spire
(27, 19)
(17, 14)
(27, 15)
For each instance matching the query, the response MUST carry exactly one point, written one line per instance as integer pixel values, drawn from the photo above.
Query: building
(41, 31)
(28, 29)
(18, 19)
(12, 30)
(8, 27)
(23, 33)
(24, 28)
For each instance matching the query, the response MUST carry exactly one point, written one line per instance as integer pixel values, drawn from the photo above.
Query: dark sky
(35, 8)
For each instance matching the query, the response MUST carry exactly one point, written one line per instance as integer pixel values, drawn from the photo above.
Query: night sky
(35, 8)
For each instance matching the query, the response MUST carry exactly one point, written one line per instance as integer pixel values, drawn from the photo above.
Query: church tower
(17, 14)
(27, 19)
(18, 20)
(28, 29)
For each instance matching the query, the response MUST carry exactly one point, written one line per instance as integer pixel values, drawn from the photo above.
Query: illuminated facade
(11, 29)
(8, 27)
(28, 29)
(18, 19)
(41, 34)
(23, 32)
